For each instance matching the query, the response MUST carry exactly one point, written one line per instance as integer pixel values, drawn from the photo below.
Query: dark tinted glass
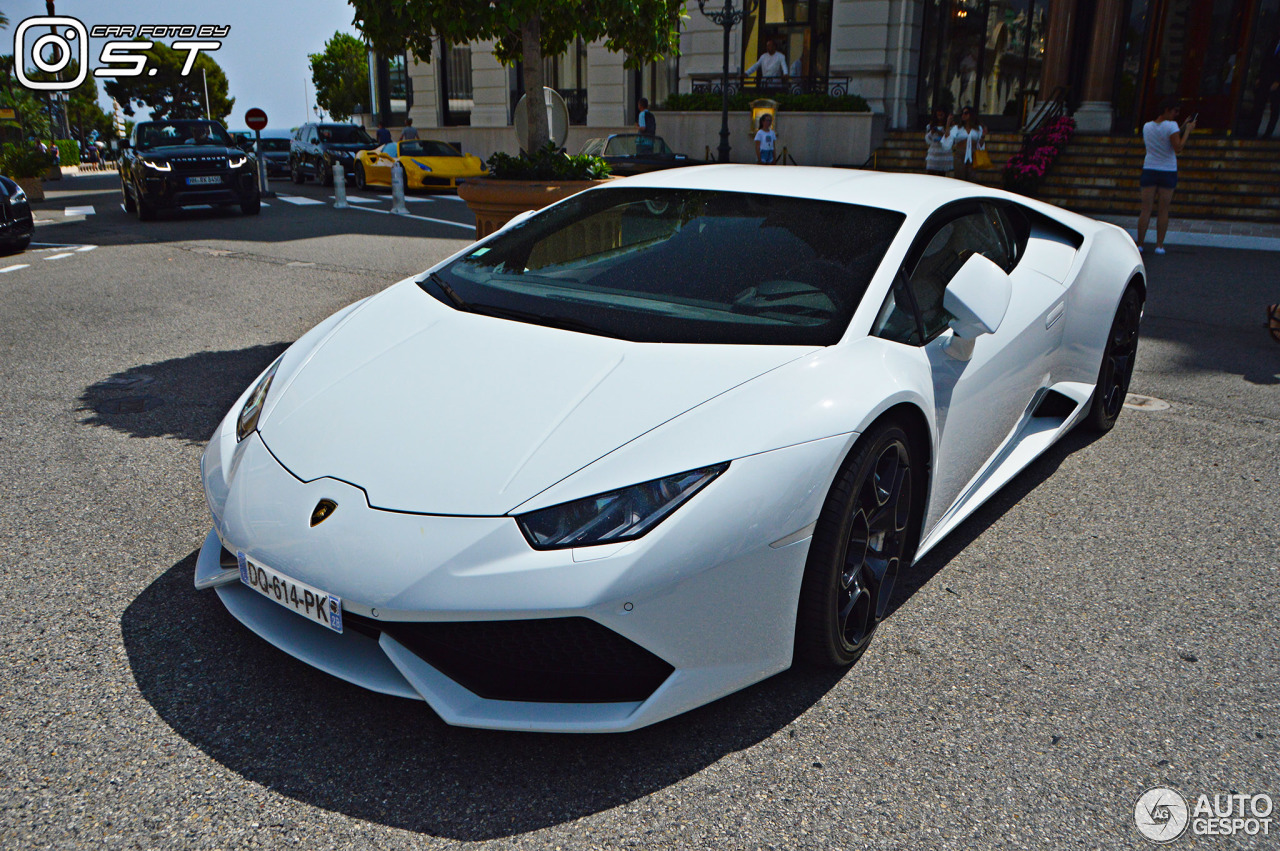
(427, 148)
(343, 134)
(681, 266)
(943, 256)
(157, 134)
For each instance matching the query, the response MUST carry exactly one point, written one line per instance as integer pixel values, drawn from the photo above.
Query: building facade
(1112, 61)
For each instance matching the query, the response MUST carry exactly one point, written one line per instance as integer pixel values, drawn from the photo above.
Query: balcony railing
(808, 85)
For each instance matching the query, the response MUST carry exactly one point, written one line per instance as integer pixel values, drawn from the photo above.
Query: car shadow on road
(302, 733)
(183, 398)
(329, 744)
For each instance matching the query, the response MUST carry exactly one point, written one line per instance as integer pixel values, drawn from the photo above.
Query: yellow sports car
(428, 164)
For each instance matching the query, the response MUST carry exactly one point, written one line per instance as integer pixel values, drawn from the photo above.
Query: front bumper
(705, 592)
(167, 190)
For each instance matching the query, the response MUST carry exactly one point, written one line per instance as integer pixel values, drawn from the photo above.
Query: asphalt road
(1108, 623)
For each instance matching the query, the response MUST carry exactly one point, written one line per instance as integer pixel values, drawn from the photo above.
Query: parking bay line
(421, 218)
(59, 256)
(300, 200)
(78, 211)
(14, 268)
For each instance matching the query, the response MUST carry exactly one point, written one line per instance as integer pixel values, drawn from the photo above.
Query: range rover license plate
(311, 603)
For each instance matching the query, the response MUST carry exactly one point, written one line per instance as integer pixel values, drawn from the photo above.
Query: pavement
(1106, 624)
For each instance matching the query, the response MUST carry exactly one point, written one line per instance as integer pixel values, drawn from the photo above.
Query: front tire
(144, 210)
(295, 173)
(252, 207)
(866, 534)
(1117, 362)
(324, 174)
(129, 206)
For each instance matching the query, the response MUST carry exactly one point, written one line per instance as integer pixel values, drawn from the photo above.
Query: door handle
(1055, 314)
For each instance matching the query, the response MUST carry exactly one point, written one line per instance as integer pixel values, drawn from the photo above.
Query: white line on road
(59, 256)
(360, 199)
(86, 248)
(300, 200)
(14, 268)
(420, 218)
(78, 211)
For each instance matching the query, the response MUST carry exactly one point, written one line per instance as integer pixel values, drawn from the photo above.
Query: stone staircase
(1218, 178)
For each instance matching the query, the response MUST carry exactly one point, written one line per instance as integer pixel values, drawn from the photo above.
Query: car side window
(389, 149)
(945, 252)
(313, 138)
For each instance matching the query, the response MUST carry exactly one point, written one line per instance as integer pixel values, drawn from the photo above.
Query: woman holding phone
(1164, 140)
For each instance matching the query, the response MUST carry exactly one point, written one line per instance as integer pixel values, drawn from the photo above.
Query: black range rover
(184, 163)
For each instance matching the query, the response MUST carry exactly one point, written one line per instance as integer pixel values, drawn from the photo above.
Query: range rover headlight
(236, 161)
(158, 165)
(616, 516)
(248, 419)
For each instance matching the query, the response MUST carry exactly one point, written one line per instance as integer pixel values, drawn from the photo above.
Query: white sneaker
(1159, 249)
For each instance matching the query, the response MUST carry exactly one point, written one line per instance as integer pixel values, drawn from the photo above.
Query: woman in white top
(969, 132)
(1164, 140)
(938, 159)
(766, 141)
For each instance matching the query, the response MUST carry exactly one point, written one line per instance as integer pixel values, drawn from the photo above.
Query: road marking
(86, 248)
(360, 199)
(420, 218)
(78, 211)
(14, 268)
(300, 200)
(264, 203)
(59, 256)
(409, 199)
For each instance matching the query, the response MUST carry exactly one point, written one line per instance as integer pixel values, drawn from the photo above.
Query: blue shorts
(766, 155)
(1159, 179)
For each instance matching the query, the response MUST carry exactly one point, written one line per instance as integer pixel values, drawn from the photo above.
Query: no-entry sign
(255, 118)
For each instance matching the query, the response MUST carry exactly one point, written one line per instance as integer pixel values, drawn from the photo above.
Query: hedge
(741, 102)
(68, 151)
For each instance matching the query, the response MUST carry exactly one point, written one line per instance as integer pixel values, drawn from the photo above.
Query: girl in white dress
(968, 138)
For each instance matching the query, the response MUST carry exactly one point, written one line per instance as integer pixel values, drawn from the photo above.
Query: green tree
(169, 94)
(525, 31)
(340, 74)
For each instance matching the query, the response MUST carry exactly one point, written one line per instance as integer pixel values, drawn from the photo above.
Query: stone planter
(33, 186)
(495, 202)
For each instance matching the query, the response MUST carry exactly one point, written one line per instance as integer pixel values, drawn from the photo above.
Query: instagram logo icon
(64, 39)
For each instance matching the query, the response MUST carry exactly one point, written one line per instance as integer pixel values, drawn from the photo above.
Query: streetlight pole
(726, 18)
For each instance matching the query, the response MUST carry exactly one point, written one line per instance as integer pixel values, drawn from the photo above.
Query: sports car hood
(436, 411)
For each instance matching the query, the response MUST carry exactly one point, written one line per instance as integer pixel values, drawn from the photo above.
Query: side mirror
(124, 144)
(977, 297)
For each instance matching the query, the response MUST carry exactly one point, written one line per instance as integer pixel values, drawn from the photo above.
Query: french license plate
(313, 604)
(203, 181)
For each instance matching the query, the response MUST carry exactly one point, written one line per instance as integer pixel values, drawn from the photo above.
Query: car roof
(906, 193)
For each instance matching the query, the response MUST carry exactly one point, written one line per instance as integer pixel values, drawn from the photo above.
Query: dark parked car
(185, 163)
(275, 151)
(317, 147)
(636, 153)
(16, 225)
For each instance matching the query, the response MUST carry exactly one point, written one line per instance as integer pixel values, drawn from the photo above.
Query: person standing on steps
(1164, 140)
(970, 131)
(939, 136)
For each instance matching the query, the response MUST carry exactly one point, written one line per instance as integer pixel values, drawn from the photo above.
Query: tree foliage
(169, 94)
(525, 31)
(340, 74)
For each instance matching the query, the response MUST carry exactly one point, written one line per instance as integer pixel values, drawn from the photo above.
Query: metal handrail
(1054, 106)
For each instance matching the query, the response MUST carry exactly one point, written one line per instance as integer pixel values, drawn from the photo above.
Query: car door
(382, 158)
(981, 399)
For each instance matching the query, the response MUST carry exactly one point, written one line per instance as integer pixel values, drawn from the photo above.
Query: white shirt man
(772, 65)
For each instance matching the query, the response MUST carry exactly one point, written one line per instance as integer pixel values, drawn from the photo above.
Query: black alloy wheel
(1117, 362)
(865, 535)
(360, 183)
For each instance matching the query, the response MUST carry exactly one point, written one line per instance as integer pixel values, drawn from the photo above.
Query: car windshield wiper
(564, 322)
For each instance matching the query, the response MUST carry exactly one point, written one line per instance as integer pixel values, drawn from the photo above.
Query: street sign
(256, 119)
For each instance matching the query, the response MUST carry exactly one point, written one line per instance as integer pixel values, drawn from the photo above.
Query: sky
(264, 56)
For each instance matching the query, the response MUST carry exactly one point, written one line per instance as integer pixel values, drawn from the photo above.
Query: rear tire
(360, 182)
(1117, 363)
(866, 534)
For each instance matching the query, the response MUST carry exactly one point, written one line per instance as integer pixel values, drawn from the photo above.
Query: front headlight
(621, 515)
(18, 197)
(157, 164)
(236, 162)
(248, 419)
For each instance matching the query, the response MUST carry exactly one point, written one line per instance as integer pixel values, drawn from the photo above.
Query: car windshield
(159, 134)
(344, 134)
(630, 145)
(275, 145)
(679, 266)
(427, 148)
